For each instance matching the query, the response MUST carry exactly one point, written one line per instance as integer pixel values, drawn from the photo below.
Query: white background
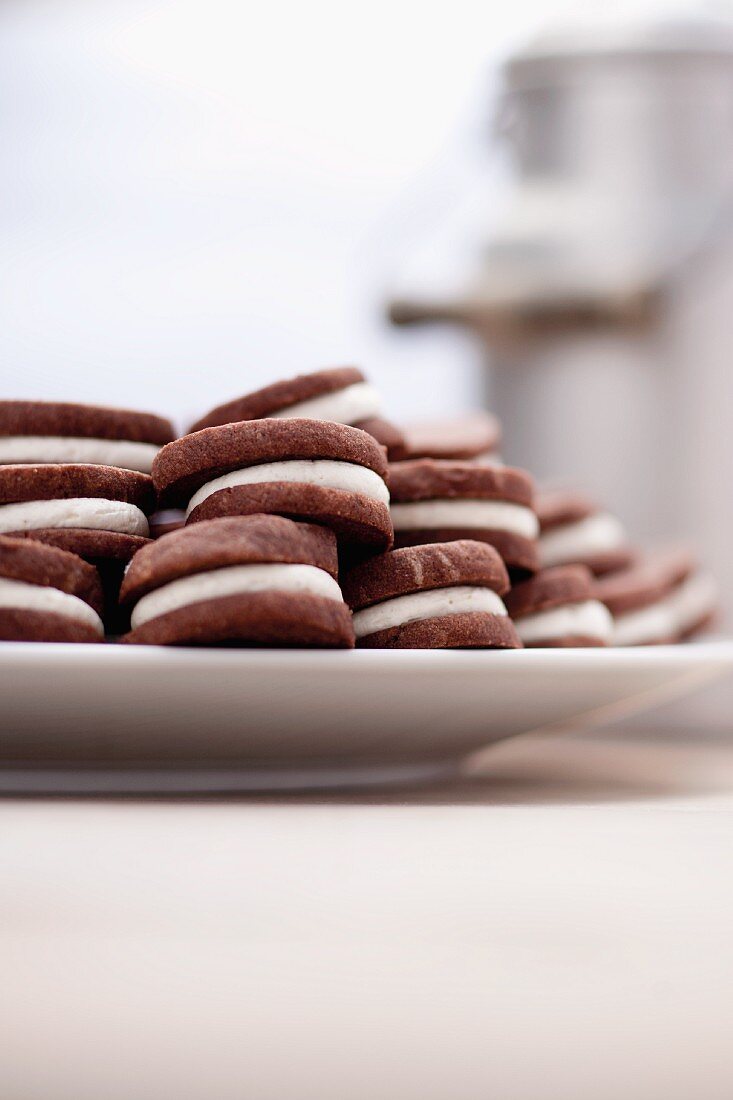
(198, 197)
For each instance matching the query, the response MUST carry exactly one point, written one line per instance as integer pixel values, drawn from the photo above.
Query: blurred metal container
(604, 290)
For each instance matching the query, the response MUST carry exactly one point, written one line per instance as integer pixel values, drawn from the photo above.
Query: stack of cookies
(77, 477)
(299, 515)
(650, 597)
(312, 453)
(47, 594)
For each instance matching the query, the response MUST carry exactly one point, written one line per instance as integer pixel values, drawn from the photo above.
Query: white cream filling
(668, 617)
(35, 597)
(346, 406)
(233, 580)
(326, 473)
(426, 605)
(586, 619)
(167, 515)
(27, 449)
(95, 513)
(488, 458)
(583, 539)
(497, 515)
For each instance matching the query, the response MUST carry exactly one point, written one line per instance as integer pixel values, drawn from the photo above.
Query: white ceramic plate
(102, 718)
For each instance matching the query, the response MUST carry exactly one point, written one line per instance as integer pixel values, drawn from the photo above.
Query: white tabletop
(561, 926)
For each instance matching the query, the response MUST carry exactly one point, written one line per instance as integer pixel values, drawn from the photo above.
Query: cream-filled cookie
(438, 596)
(574, 531)
(249, 580)
(311, 470)
(558, 608)
(437, 501)
(47, 595)
(663, 598)
(342, 395)
(35, 432)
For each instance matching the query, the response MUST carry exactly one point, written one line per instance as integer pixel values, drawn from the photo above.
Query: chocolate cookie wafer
(474, 437)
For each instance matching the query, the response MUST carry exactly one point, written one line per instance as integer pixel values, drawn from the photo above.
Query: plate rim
(692, 655)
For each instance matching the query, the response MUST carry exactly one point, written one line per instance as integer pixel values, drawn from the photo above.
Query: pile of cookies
(299, 516)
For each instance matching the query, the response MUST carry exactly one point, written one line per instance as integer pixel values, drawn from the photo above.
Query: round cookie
(98, 508)
(245, 580)
(574, 531)
(47, 595)
(57, 432)
(97, 512)
(432, 596)
(310, 470)
(557, 608)
(662, 598)
(474, 437)
(341, 394)
(435, 501)
(83, 501)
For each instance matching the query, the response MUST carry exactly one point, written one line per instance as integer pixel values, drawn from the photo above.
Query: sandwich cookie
(557, 608)
(97, 512)
(341, 395)
(661, 599)
(305, 469)
(248, 580)
(437, 596)
(471, 438)
(93, 511)
(47, 595)
(37, 432)
(434, 501)
(574, 531)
